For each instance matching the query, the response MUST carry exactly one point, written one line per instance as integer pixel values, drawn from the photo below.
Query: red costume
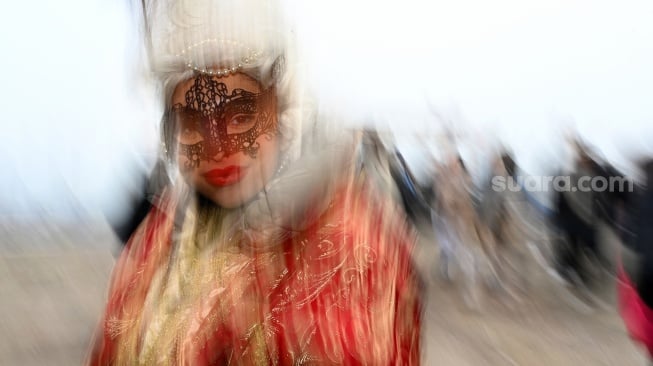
(342, 291)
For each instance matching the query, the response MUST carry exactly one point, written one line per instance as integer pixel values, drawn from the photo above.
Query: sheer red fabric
(342, 292)
(637, 317)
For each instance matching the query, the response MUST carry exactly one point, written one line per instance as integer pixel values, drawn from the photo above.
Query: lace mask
(214, 121)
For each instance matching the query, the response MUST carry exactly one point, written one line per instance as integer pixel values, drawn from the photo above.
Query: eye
(241, 122)
(242, 119)
(188, 134)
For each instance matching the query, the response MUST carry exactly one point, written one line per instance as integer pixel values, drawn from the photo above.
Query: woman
(271, 247)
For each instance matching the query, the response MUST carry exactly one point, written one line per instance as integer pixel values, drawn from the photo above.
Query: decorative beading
(250, 57)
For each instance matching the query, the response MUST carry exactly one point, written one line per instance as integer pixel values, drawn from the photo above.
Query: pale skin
(254, 171)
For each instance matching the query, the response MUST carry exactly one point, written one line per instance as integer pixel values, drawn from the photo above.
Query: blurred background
(80, 129)
(79, 120)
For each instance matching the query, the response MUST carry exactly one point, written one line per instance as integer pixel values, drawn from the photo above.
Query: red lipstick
(224, 176)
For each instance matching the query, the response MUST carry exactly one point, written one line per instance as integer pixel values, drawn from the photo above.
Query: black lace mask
(223, 123)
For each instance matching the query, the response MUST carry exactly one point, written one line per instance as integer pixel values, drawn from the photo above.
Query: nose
(224, 156)
(219, 156)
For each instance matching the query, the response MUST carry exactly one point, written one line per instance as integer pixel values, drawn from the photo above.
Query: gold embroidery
(116, 327)
(226, 286)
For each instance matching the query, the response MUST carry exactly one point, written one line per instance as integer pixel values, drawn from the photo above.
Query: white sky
(517, 70)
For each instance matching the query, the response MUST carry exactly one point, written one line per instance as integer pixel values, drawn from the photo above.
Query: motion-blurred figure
(577, 217)
(500, 213)
(413, 197)
(459, 231)
(271, 246)
(635, 283)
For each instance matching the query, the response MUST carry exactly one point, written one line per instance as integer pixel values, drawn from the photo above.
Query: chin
(230, 196)
(231, 202)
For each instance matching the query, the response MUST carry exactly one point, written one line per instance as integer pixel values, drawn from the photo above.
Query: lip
(224, 176)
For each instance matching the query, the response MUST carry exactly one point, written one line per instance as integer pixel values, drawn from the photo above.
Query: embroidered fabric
(315, 299)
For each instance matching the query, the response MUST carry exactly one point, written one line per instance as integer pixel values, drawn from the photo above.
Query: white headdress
(215, 36)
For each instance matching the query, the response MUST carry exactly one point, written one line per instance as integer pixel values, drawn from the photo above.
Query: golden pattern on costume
(341, 291)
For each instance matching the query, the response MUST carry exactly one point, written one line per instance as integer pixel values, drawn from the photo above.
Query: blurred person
(412, 194)
(577, 217)
(502, 215)
(635, 272)
(386, 166)
(458, 230)
(268, 247)
(445, 234)
(613, 202)
(375, 161)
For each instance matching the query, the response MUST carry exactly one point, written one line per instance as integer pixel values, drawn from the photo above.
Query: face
(226, 131)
